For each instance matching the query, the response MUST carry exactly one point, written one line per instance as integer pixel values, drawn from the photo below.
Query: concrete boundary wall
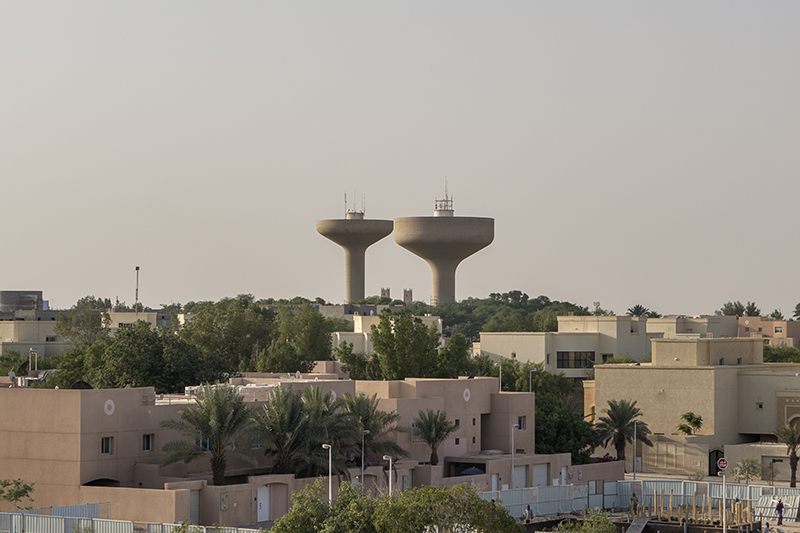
(34, 523)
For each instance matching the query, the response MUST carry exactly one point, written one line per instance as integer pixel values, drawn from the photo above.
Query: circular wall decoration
(466, 395)
(746, 321)
(109, 407)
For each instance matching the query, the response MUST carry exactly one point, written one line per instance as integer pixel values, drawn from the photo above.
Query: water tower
(355, 234)
(444, 240)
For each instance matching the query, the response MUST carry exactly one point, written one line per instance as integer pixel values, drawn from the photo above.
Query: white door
(494, 482)
(263, 503)
(539, 474)
(563, 475)
(519, 476)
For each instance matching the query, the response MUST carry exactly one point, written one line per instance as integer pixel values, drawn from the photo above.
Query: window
(473, 440)
(759, 330)
(759, 406)
(778, 329)
(521, 422)
(721, 360)
(147, 442)
(123, 325)
(607, 356)
(458, 441)
(415, 436)
(457, 422)
(106, 445)
(739, 361)
(473, 421)
(50, 338)
(203, 443)
(574, 359)
(746, 330)
(255, 441)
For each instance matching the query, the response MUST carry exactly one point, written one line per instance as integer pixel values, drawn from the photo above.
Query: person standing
(779, 510)
(634, 504)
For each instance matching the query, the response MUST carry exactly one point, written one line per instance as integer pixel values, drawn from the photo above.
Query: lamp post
(330, 477)
(501, 375)
(513, 450)
(363, 432)
(530, 381)
(634, 448)
(389, 458)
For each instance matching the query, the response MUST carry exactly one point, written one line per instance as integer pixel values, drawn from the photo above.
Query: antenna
(345, 202)
(136, 305)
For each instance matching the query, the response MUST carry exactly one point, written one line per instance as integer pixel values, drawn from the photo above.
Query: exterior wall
(23, 335)
(674, 327)
(774, 332)
(682, 353)
(155, 318)
(361, 336)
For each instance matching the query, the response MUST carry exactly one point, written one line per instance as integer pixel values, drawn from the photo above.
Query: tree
(776, 315)
(453, 358)
(15, 490)
(87, 320)
(731, 309)
(382, 426)
(751, 309)
(559, 429)
(433, 427)
(236, 329)
(797, 311)
(595, 521)
(420, 509)
(790, 436)
(617, 426)
(769, 472)
(285, 430)
(214, 427)
(692, 424)
(652, 314)
(404, 346)
(637, 310)
(356, 364)
(747, 469)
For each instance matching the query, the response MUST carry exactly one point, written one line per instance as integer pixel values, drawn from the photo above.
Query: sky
(630, 152)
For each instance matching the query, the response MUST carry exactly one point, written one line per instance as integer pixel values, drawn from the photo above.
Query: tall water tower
(355, 234)
(444, 240)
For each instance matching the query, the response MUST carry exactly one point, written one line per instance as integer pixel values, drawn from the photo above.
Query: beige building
(581, 341)
(698, 326)
(124, 319)
(773, 332)
(83, 446)
(27, 324)
(725, 381)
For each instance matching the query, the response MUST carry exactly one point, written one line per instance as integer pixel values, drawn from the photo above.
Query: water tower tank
(444, 240)
(355, 234)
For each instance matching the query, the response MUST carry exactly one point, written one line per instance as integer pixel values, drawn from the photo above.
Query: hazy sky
(630, 152)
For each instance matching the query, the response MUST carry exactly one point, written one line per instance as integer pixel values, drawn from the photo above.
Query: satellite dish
(23, 369)
(12, 376)
(297, 374)
(82, 385)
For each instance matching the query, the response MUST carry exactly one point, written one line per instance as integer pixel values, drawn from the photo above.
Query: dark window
(50, 338)
(457, 422)
(473, 421)
(562, 360)
(457, 442)
(473, 440)
(147, 442)
(574, 359)
(106, 445)
(778, 329)
(521, 422)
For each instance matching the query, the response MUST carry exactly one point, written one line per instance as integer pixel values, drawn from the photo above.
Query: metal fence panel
(77, 525)
(595, 501)
(44, 524)
(87, 510)
(111, 526)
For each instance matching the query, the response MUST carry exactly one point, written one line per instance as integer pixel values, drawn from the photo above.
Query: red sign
(722, 464)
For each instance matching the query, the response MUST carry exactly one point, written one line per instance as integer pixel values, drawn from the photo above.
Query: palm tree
(617, 426)
(777, 315)
(637, 310)
(790, 436)
(382, 428)
(215, 425)
(692, 425)
(434, 427)
(286, 430)
(326, 423)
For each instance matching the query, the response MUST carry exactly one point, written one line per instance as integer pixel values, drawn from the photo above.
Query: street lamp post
(530, 381)
(364, 432)
(330, 472)
(513, 450)
(389, 458)
(634, 448)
